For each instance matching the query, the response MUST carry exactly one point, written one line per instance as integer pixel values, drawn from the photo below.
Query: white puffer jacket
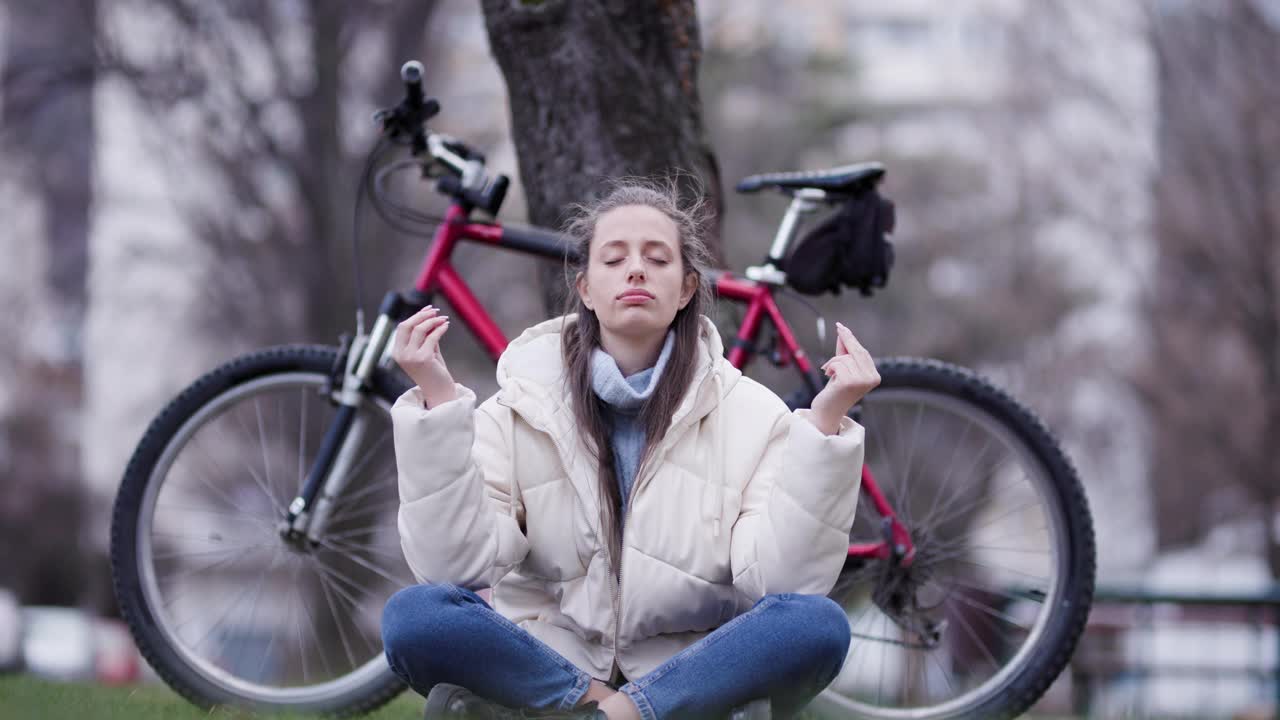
(744, 498)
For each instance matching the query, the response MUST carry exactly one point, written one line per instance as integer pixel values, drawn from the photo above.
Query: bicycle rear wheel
(224, 609)
(987, 613)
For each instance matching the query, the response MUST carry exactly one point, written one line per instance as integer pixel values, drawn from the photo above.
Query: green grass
(26, 698)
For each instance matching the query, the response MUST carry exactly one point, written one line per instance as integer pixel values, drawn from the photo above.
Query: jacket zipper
(622, 547)
(617, 587)
(622, 540)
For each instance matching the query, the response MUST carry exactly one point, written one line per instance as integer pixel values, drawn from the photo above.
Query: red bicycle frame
(438, 274)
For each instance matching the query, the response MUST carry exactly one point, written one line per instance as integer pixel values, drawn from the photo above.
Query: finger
(415, 319)
(840, 374)
(422, 314)
(838, 367)
(866, 363)
(399, 340)
(431, 345)
(851, 343)
(405, 328)
(837, 360)
(421, 330)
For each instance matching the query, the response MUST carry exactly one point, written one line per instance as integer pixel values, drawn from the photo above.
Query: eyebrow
(646, 243)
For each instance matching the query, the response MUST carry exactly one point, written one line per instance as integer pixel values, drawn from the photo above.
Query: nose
(635, 269)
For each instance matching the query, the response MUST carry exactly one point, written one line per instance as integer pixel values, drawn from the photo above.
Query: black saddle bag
(850, 248)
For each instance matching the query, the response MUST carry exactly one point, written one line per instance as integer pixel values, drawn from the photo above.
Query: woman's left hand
(852, 375)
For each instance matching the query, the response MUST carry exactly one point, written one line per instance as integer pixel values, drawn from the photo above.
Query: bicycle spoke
(355, 604)
(191, 571)
(266, 460)
(344, 500)
(883, 647)
(276, 506)
(225, 614)
(297, 624)
(946, 676)
(266, 654)
(882, 443)
(344, 515)
(199, 553)
(986, 589)
(981, 645)
(222, 493)
(973, 465)
(909, 663)
(862, 651)
(347, 579)
(311, 623)
(951, 464)
(358, 532)
(302, 442)
(360, 561)
(221, 513)
(346, 546)
(974, 504)
(333, 577)
(253, 607)
(999, 538)
(906, 479)
(893, 493)
(333, 612)
(983, 607)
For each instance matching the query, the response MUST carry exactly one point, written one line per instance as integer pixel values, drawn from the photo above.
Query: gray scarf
(625, 396)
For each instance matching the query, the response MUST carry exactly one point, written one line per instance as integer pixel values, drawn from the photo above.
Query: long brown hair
(578, 340)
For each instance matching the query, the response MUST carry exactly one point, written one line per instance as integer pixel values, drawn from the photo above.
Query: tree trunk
(46, 93)
(600, 90)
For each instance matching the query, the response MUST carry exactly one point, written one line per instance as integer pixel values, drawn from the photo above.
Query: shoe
(455, 701)
(754, 710)
(446, 701)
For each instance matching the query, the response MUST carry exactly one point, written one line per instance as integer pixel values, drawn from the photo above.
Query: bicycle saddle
(844, 179)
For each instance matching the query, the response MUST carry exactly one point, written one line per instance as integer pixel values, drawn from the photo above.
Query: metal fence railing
(1166, 654)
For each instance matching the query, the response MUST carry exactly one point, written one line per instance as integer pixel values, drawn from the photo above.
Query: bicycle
(263, 586)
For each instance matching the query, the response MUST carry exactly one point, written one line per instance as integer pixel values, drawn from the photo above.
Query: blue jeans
(787, 648)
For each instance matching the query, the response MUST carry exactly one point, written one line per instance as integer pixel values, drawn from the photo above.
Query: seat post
(803, 202)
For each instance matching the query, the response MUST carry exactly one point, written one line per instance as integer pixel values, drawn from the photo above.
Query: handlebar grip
(411, 73)
(495, 194)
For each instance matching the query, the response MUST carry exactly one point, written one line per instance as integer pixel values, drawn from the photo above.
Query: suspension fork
(308, 513)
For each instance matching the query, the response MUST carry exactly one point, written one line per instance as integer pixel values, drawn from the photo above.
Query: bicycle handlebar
(468, 182)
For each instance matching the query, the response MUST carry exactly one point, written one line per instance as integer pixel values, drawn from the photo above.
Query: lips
(635, 294)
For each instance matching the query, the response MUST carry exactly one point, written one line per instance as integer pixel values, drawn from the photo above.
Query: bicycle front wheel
(222, 606)
(987, 612)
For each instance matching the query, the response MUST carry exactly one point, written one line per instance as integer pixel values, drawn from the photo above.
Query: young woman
(659, 531)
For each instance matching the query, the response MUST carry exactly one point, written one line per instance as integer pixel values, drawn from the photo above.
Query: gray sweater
(625, 396)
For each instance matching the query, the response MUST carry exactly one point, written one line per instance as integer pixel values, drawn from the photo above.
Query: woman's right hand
(417, 351)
